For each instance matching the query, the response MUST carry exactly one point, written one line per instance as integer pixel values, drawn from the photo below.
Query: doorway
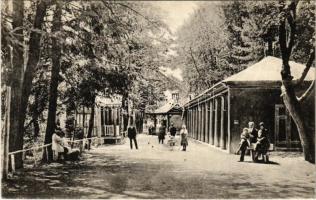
(286, 134)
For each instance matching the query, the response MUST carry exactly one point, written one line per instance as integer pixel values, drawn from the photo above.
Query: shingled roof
(268, 69)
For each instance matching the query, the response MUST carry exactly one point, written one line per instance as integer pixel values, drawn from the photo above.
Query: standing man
(162, 133)
(131, 133)
(172, 130)
(253, 132)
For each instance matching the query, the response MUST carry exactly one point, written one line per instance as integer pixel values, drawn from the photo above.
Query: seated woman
(57, 145)
(263, 144)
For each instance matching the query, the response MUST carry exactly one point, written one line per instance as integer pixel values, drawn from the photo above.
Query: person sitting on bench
(57, 145)
(253, 132)
(262, 145)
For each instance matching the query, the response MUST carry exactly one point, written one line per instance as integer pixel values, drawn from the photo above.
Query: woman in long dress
(184, 137)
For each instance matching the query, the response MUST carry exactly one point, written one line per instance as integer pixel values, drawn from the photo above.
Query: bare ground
(160, 171)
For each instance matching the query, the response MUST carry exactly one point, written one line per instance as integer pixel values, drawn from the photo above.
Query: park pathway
(160, 171)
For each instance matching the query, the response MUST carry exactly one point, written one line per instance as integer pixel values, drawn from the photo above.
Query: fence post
(12, 163)
(5, 143)
(83, 144)
(46, 153)
(34, 156)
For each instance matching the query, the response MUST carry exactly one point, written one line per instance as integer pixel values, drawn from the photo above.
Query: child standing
(184, 137)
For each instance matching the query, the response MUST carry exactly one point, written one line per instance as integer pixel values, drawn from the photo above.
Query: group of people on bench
(259, 139)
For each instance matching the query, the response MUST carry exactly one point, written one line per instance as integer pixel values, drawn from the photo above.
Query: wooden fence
(11, 156)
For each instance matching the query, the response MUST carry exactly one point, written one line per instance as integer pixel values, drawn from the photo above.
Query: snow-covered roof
(268, 69)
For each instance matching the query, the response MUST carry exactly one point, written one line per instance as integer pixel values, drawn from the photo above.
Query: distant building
(107, 118)
(218, 115)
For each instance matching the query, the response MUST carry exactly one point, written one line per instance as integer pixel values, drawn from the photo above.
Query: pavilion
(169, 110)
(218, 115)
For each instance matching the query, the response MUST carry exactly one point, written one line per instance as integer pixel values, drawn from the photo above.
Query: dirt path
(159, 171)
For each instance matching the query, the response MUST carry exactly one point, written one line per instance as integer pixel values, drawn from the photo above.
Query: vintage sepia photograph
(113, 99)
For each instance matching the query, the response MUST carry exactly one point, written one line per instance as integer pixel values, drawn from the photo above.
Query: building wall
(251, 104)
(258, 104)
(208, 120)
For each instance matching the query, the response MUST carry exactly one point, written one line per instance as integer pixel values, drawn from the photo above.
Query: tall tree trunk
(126, 114)
(292, 104)
(35, 115)
(294, 107)
(16, 137)
(91, 125)
(21, 87)
(7, 65)
(36, 126)
(5, 137)
(53, 93)
(33, 59)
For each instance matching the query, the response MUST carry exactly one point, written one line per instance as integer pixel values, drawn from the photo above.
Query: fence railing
(11, 156)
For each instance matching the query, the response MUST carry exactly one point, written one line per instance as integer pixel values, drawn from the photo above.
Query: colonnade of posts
(109, 118)
(106, 120)
(207, 121)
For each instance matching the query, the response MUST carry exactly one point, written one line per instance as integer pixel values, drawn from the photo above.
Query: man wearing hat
(253, 132)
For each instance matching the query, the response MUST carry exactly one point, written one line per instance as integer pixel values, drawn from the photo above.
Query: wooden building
(218, 115)
(107, 119)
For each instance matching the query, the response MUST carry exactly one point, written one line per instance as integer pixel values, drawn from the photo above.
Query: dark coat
(131, 132)
(173, 131)
(243, 145)
(162, 132)
(263, 142)
(184, 137)
(253, 135)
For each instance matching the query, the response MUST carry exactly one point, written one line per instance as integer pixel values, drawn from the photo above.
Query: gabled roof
(169, 108)
(268, 69)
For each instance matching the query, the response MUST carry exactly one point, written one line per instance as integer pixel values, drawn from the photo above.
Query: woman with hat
(263, 143)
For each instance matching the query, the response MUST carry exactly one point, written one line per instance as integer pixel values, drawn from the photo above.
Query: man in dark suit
(131, 133)
(253, 132)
